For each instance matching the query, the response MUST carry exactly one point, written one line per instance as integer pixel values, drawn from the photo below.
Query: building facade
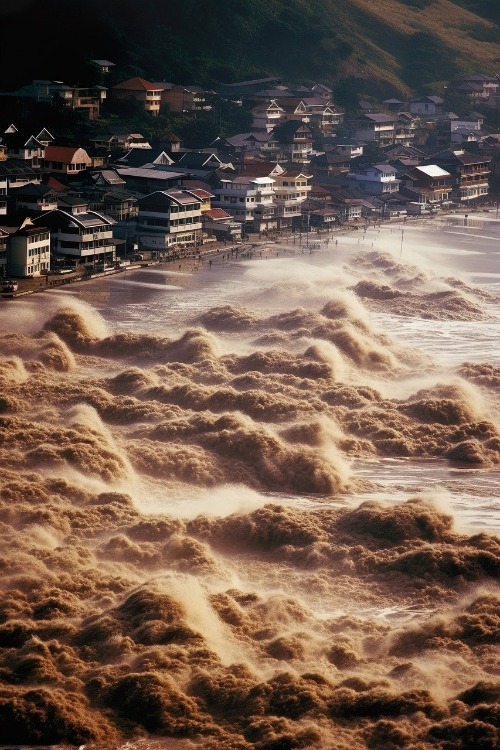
(169, 219)
(28, 251)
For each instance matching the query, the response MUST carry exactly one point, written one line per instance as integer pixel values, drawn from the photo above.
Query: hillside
(383, 47)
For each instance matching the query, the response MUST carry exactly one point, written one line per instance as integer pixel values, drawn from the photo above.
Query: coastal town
(100, 198)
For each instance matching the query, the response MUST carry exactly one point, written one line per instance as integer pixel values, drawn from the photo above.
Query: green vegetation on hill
(381, 48)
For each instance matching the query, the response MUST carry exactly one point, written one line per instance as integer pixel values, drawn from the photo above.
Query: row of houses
(100, 218)
(118, 193)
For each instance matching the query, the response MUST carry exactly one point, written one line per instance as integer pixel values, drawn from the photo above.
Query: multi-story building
(375, 127)
(28, 250)
(16, 173)
(168, 219)
(432, 183)
(33, 199)
(86, 100)
(295, 139)
(479, 88)
(312, 110)
(291, 189)
(81, 235)
(176, 98)
(250, 200)
(469, 172)
(375, 179)
(267, 115)
(146, 94)
(24, 146)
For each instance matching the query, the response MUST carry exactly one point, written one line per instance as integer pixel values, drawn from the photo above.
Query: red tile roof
(217, 213)
(137, 84)
(64, 154)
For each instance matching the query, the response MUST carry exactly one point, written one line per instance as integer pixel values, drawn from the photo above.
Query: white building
(28, 250)
(82, 235)
(250, 201)
(291, 189)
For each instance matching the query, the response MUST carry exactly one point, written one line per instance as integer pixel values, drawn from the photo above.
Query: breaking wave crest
(307, 618)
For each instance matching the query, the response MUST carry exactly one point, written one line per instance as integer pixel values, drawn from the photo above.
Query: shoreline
(222, 253)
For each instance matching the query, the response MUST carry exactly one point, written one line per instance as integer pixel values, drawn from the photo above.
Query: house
(426, 106)
(479, 88)
(177, 98)
(456, 130)
(201, 195)
(347, 205)
(24, 146)
(45, 137)
(148, 179)
(326, 165)
(375, 127)
(469, 172)
(400, 152)
(87, 100)
(127, 141)
(28, 250)
(317, 216)
(291, 189)
(103, 66)
(432, 183)
(169, 219)
(250, 200)
(313, 110)
(201, 160)
(33, 199)
(68, 160)
(244, 143)
(221, 225)
(146, 94)
(266, 115)
(352, 150)
(145, 158)
(17, 172)
(295, 141)
(375, 179)
(81, 235)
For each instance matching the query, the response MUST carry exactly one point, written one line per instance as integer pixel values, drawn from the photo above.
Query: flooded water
(257, 505)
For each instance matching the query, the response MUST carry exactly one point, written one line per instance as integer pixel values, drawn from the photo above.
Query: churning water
(256, 505)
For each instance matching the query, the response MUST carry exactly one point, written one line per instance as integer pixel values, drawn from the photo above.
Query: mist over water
(256, 506)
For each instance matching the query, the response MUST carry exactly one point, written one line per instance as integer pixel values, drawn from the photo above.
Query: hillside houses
(302, 162)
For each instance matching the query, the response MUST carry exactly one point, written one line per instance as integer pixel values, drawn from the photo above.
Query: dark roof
(198, 159)
(16, 167)
(458, 156)
(139, 157)
(378, 117)
(34, 190)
